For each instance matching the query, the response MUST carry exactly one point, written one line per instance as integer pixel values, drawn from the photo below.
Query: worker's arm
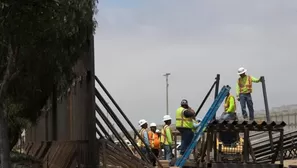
(189, 113)
(237, 90)
(231, 104)
(168, 136)
(256, 80)
(145, 136)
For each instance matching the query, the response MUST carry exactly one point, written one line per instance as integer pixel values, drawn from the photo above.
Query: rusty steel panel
(75, 111)
(43, 150)
(79, 122)
(113, 155)
(62, 129)
(34, 149)
(72, 123)
(40, 130)
(49, 125)
(63, 156)
(75, 108)
(29, 147)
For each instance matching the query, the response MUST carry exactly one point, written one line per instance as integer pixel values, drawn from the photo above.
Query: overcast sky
(136, 42)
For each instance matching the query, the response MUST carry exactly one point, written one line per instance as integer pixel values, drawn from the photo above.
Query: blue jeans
(167, 152)
(186, 139)
(228, 116)
(144, 151)
(246, 99)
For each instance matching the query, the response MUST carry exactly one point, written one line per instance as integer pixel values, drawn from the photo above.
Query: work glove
(261, 78)
(238, 99)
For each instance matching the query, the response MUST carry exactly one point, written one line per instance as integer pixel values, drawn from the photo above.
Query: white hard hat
(141, 122)
(166, 118)
(153, 125)
(157, 131)
(241, 70)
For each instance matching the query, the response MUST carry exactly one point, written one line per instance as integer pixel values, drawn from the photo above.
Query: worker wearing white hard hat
(144, 135)
(167, 138)
(159, 133)
(243, 92)
(154, 142)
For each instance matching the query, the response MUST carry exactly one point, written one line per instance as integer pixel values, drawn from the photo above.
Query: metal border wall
(72, 115)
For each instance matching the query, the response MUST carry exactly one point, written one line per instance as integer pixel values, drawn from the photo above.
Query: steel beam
(113, 130)
(127, 120)
(121, 126)
(205, 98)
(266, 109)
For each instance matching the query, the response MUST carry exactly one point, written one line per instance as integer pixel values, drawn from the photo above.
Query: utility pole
(167, 85)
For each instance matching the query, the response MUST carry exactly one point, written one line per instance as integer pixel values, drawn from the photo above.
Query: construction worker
(229, 108)
(154, 142)
(144, 135)
(159, 135)
(229, 137)
(244, 90)
(166, 138)
(184, 124)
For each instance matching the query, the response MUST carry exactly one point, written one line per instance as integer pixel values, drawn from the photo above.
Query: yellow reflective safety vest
(181, 120)
(164, 139)
(230, 106)
(139, 142)
(245, 84)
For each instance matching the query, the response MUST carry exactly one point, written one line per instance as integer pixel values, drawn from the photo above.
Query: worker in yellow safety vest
(229, 107)
(154, 142)
(184, 124)
(243, 92)
(167, 138)
(144, 135)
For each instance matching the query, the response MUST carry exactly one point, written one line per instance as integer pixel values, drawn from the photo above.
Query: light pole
(167, 85)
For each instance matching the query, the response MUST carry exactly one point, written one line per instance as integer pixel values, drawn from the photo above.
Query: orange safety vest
(247, 85)
(154, 140)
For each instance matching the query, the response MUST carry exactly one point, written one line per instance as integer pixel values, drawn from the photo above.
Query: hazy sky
(137, 42)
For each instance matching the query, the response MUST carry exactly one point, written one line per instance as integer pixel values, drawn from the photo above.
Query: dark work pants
(246, 99)
(152, 158)
(144, 151)
(186, 138)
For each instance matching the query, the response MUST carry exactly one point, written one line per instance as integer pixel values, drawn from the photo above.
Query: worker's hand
(238, 98)
(261, 78)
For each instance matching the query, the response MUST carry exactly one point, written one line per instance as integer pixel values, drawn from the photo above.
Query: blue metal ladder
(203, 125)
